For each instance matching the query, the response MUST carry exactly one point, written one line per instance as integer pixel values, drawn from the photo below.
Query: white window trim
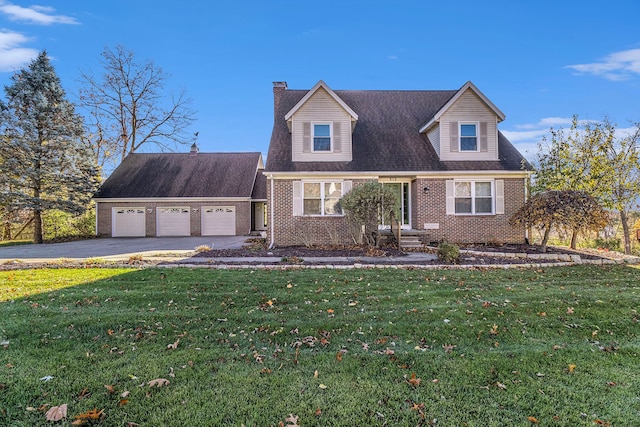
(477, 125)
(322, 197)
(473, 197)
(313, 128)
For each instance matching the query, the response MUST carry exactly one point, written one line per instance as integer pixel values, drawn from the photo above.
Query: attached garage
(128, 222)
(182, 194)
(174, 221)
(218, 221)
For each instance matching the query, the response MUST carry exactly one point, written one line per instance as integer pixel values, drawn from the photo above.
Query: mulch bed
(384, 255)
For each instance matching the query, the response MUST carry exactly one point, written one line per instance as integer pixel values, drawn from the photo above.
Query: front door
(402, 212)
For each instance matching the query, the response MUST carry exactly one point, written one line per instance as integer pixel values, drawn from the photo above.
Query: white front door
(174, 221)
(402, 212)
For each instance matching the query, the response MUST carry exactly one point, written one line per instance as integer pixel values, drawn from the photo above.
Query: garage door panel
(128, 222)
(173, 221)
(219, 221)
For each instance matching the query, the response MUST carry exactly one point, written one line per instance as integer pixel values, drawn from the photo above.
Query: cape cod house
(457, 178)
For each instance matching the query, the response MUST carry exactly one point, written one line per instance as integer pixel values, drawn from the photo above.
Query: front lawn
(161, 347)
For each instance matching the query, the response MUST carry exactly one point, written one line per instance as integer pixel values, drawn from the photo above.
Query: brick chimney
(278, 88)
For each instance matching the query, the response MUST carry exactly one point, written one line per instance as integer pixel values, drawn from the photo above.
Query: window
(321, 137)
(468, 137)
(473, 197)
(321, 198)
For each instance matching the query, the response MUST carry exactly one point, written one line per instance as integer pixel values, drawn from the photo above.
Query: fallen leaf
(174, 345)
(132, 424)
(533, 420)
(47, 378)
(318, 412)
(315, 374)
(158, 382)
(322, 386)
(413, 380)
(89, 415)
(572, 367)
(293, 420)
(602, 423)
(501, 386)
(123, 402)
(110, 388)
(570, 310)
(124, 394)
(330, 311)
(56, 413)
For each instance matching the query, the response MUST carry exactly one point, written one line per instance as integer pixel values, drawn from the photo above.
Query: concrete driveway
(118, 248)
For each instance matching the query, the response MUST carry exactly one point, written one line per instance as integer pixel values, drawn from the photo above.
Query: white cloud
(392, 57)
(12, 55)
(42, 15)
(617, 66)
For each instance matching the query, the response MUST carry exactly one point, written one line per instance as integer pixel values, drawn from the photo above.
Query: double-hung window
(468, 136)
(473, 197)
(322, 137)
(321, 198)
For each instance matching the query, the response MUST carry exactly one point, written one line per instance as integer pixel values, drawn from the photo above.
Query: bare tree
(127, 107)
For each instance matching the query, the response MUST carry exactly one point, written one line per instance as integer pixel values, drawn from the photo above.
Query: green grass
(490, 347)
(5, 243)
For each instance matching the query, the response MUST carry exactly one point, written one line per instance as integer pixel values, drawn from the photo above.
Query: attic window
(468, 137)
(322, 137)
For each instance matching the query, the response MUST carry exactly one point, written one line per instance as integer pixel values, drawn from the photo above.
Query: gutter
(272, 221)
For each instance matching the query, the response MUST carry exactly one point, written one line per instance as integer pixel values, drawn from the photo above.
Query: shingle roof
(183, 175)
(386, 137)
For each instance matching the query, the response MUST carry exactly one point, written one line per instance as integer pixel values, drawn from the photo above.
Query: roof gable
(467, 86)
(170, 175)
(311, 92)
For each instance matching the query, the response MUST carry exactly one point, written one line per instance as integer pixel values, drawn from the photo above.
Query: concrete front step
(410, 242)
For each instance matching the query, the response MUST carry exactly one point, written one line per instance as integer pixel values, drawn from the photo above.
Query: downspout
(527, 181)
(96, 218)
(272, 221)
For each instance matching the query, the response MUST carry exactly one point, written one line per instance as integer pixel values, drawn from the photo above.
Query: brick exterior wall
(430, 207)
(243, 215)
(427, 207)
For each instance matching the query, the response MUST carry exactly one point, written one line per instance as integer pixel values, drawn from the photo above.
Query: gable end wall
(469, 107)
(321, 107)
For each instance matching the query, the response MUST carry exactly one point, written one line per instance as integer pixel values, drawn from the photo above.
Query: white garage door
(128, 222)
(173, 221)
(219, 221)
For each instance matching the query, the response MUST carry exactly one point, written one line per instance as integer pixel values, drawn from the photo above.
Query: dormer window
(322, 137)
(468, 137)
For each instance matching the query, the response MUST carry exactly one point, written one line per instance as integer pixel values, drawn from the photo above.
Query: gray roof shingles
(184, 175)
(386, 137)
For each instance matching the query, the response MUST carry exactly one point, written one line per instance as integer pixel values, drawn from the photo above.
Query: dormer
(321, 125)
(466, 127)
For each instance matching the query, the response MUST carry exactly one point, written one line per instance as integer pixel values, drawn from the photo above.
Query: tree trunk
(574, 238)
(624, 219)
(545, 239)
(37, 227)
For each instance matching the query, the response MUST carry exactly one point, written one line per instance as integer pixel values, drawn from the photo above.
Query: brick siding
(427, 207)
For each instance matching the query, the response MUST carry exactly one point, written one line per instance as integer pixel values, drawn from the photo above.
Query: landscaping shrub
(448, 252)
(612, 244)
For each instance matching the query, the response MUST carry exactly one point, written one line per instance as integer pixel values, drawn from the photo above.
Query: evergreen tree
(44, 162)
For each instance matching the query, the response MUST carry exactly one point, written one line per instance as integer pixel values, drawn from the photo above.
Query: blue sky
(540, 62)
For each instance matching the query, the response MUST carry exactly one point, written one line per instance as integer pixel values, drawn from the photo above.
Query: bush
(611, 244)
(448, 252)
